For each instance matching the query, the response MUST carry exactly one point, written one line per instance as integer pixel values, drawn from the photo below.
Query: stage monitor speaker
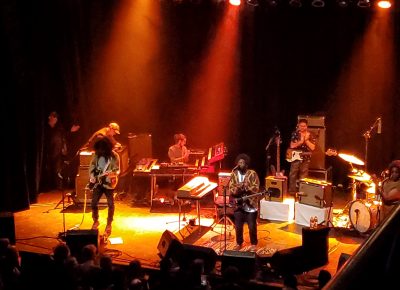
(342, 260)
(244, 261)
(168, 244)
(318, 194)
(289, 261)
(77, 239)
(276, 187)
(140, 146)
(315, 243)
(7, 226)
(193, 252)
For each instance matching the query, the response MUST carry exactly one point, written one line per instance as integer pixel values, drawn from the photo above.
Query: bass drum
(363, 215)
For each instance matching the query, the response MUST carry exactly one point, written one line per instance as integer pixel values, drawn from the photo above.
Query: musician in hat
(109, 132)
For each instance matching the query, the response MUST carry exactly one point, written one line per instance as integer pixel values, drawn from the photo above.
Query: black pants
(241, 217)
(298, 170)
(97, 193)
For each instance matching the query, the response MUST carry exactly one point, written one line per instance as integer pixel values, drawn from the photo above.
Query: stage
(137, 231)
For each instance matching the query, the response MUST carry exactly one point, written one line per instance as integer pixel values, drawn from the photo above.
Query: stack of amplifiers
(276, 187)
(315, 192)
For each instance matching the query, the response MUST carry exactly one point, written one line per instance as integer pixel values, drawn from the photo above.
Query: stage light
(273, 3)
(234, 2)
(342, 3)
(295, 3)
(318, 3)
(384, 4)
(364, 3)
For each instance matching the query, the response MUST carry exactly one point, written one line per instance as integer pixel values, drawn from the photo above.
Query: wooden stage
(140, 230)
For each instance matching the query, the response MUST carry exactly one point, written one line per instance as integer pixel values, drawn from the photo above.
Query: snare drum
(363, 215)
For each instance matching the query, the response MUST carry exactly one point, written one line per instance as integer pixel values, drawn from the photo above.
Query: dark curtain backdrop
(290, 62)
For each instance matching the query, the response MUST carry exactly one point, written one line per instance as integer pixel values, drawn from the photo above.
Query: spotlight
(273, 3)
(364, 3)
(295, 3)
(318, 3)
(384, 4)
(342, 3)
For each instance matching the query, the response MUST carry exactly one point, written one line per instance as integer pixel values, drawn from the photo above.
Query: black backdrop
(290, 62)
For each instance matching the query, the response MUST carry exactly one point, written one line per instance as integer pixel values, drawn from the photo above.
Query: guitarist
(103, 174)
(243, 182)
(304, 141)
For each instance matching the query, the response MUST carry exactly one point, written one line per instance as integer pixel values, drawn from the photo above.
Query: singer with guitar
(302, 143)
(103, 178)
(244, 182)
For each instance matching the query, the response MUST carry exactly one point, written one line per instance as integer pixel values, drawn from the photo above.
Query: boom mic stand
(367, 135)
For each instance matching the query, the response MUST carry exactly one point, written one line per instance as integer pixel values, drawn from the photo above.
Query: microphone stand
(367, 135)
(268, 154)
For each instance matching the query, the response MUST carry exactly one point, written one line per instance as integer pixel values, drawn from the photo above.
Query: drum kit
(362, 213)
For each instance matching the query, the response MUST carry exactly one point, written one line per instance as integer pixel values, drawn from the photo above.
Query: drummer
(391, 189)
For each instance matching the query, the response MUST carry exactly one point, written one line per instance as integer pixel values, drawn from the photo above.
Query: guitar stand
(329, 223)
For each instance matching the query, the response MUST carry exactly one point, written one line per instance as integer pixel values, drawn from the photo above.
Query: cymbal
(351, 159)
(361, 176)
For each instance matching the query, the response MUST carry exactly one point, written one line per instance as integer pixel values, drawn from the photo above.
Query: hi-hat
(361, 176)
(351, 158)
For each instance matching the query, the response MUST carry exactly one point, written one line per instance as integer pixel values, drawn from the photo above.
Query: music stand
(226, 220)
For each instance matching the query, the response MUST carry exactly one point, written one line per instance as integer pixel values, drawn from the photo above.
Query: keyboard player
(178, 153)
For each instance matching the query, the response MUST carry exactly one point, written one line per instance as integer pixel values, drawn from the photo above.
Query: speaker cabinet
(244, 261)
(164, 245)
(7, 226)
(315, 243)
(77, 239)
(193, 252)
(123, 154)
(342, 260)
(276, 187)
(81, 181)
(140, 146)
(315, 193)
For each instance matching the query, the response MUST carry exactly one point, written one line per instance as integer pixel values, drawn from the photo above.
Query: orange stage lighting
(234, 2)
(384, 4)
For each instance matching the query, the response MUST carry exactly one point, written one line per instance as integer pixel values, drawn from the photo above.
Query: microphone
(236, 167)
(379, 130)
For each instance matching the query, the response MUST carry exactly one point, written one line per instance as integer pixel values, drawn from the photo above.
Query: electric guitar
(102, 179)
(293, 155)
(243, 201)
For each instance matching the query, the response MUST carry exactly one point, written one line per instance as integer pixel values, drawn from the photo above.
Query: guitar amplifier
(276, 188)
(123, 154)
(315, 192)
(81, 192)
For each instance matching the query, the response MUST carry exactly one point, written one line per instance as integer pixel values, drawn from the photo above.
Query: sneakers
(95, 225)
(237, 247)
(107, 232)
(252, 248)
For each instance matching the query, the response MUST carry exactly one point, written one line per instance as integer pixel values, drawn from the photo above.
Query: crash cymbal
(351, 158)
